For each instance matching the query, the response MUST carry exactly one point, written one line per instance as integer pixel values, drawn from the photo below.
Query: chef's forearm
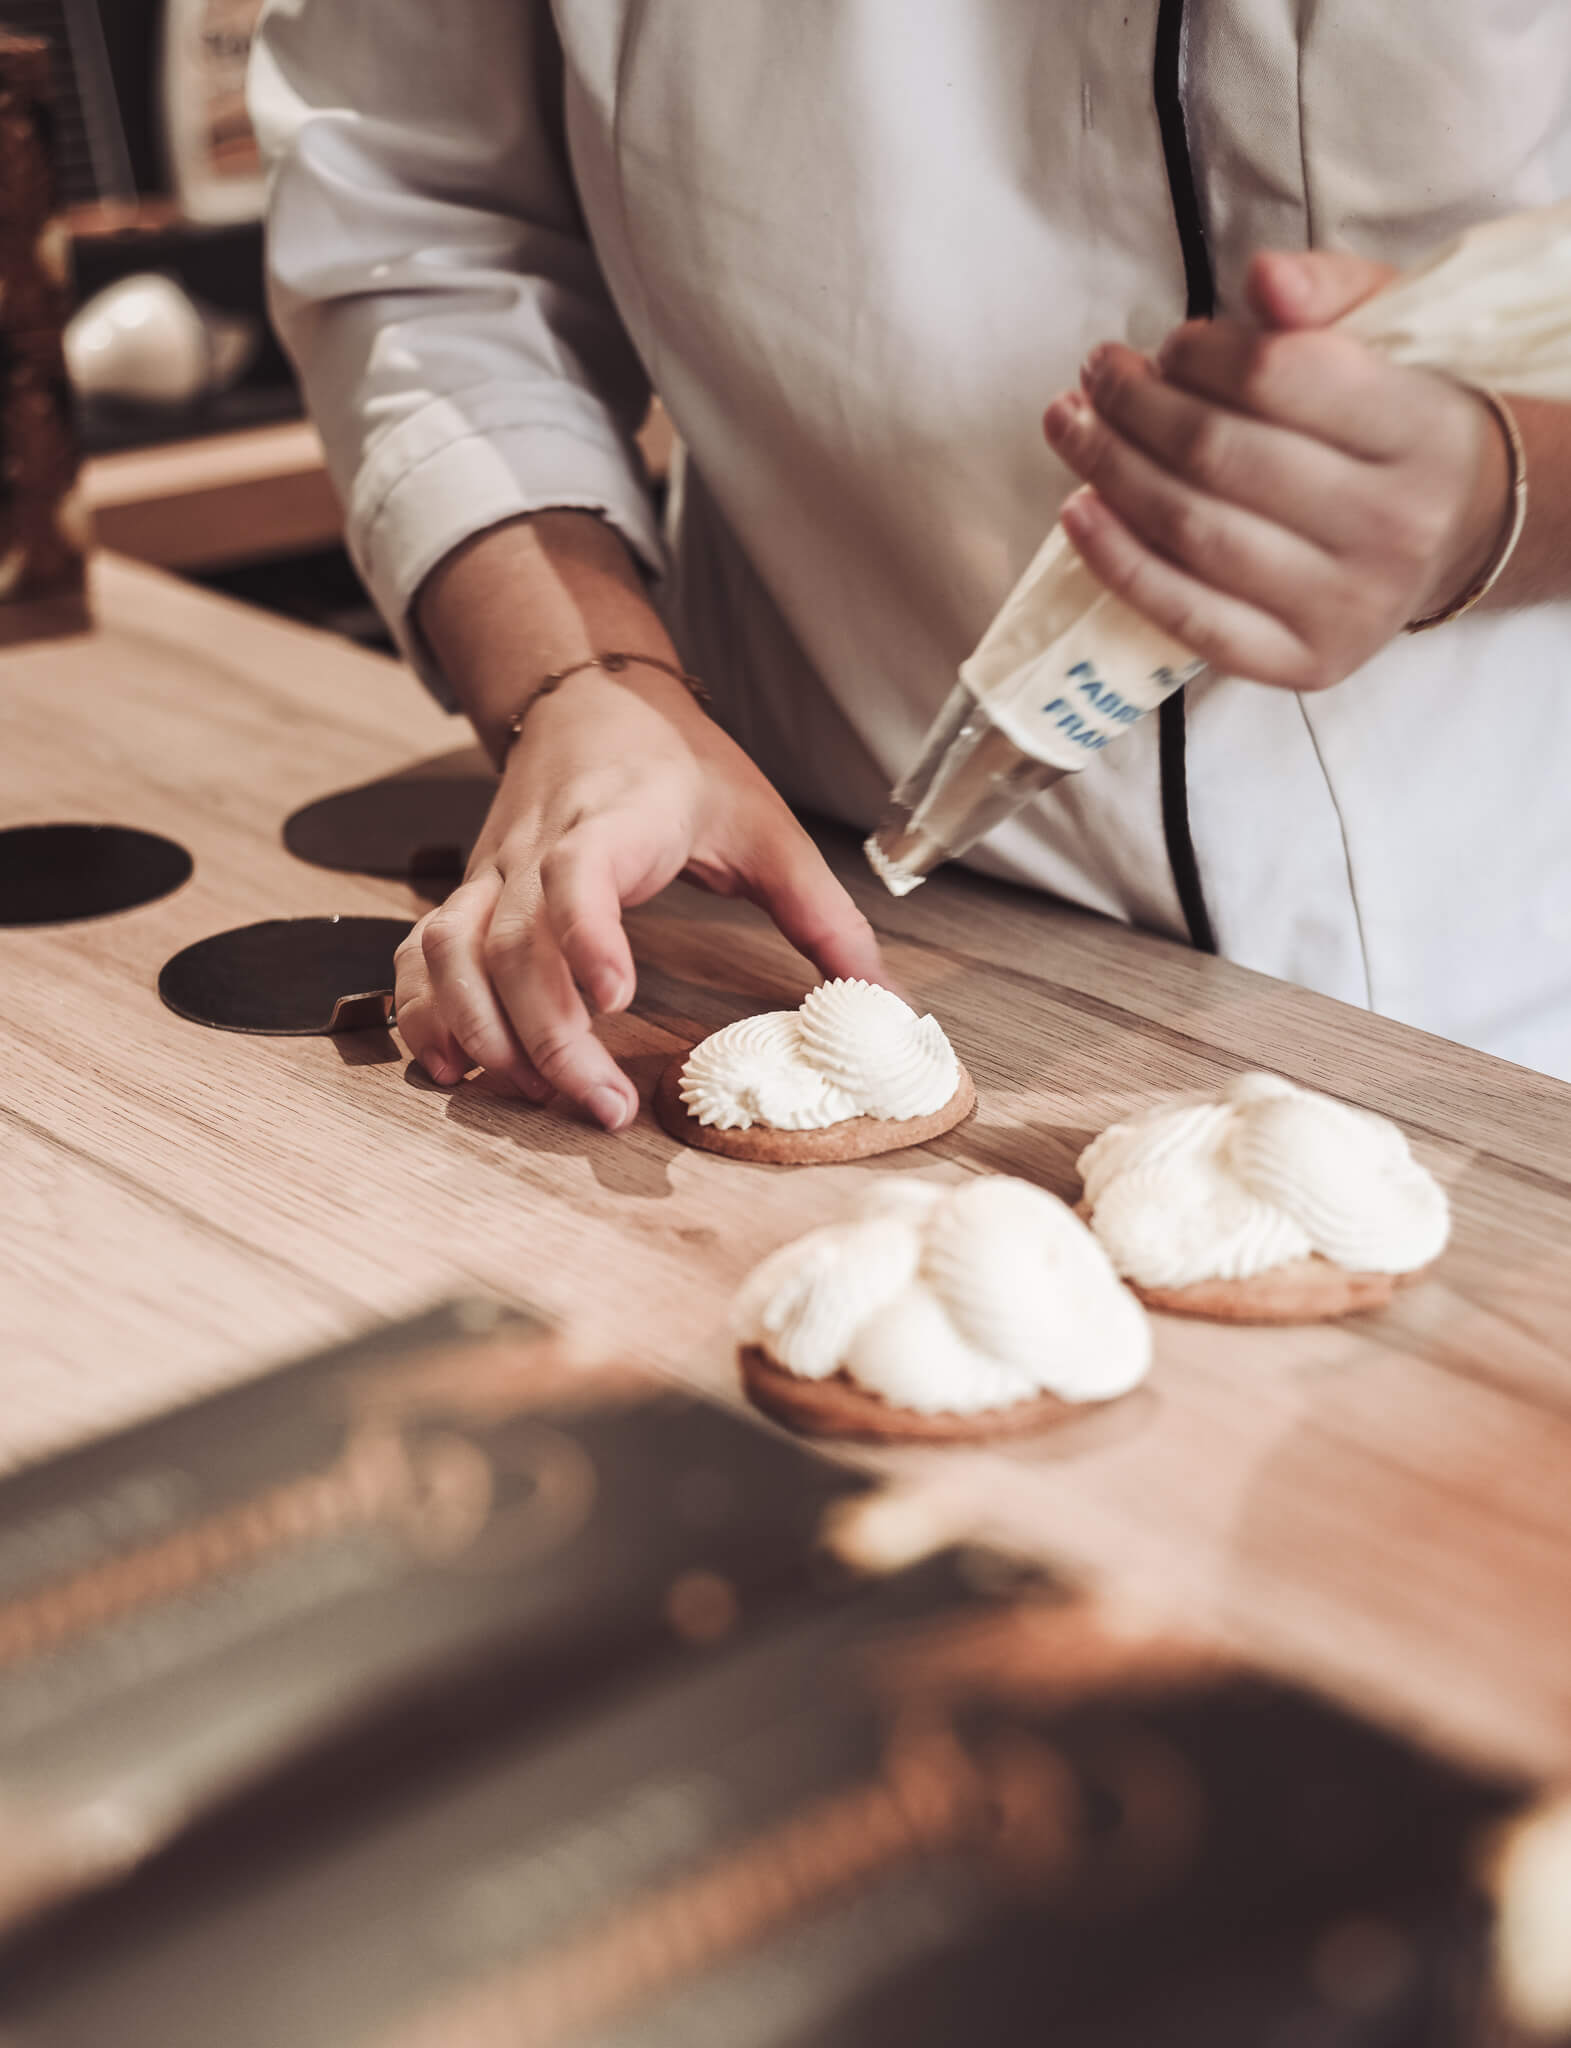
(529, 597)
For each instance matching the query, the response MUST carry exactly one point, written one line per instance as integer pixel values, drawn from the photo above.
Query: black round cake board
(282, 978)
(59, 874)
(422, 825)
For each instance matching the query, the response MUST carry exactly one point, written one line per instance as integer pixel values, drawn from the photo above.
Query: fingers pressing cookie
(535, 985)
(789, 878)
(453, 942)
(584, 907)
(418, 1020)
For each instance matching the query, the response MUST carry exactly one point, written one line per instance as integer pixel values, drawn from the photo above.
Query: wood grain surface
(1380, 1507)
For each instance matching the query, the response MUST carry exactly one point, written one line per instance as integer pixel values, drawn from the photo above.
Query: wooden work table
(1382, 1508)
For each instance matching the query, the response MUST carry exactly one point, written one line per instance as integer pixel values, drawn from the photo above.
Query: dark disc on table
(55, 874)
(284, 977)
(421, 825)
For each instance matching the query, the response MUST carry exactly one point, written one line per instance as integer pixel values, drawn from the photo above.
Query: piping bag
(1066, 666)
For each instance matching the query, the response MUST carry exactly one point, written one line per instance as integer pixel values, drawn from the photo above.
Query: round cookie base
(1310, 1290)
(837, 1407)
(859, 1137)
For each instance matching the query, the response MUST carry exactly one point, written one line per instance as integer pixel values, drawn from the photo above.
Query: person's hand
(610, 793)
(1281, 499)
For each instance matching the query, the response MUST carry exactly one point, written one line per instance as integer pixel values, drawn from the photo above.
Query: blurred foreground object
(445, 1691)
(1532, 1882)
(879, 1813)
(44, 527)
(383, 1547)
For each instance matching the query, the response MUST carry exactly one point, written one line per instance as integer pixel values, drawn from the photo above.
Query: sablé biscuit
(858, 1137)
(1311, 1290)
(838, 1407)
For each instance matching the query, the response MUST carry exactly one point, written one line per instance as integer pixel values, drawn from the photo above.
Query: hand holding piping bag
(1283, 498)
(1277, 500)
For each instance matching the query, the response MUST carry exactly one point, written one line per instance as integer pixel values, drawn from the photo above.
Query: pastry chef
(906, 278)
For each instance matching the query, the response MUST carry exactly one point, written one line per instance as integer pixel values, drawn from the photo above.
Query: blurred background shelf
(221, 499)
(253, 514)
(230, 489)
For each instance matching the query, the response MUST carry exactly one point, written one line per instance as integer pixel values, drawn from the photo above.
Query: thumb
(789, 878)
(1311, 287)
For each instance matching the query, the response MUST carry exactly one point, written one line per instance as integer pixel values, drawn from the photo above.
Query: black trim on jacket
(1200, 294)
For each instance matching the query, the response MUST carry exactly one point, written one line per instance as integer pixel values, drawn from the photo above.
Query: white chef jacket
(856, 245)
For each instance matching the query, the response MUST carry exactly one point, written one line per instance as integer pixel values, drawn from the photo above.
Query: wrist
(600, 722)
(525, 600)
(1490, 522)
(628, 667)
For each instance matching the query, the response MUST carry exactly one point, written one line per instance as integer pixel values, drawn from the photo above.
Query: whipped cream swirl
(1208, 1188)
(950, 1300)
(852, 1049)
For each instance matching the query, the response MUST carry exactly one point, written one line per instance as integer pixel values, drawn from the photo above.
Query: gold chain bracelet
(611, 664)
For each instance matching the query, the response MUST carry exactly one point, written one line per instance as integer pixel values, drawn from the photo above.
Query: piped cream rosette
(1233, 1187)
(852, 1049)
(852, 1073)
(950, 1301)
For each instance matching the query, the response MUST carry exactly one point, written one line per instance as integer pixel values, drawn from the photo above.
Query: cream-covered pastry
(852, 1049)
(950, 1300)
(1224, 1188)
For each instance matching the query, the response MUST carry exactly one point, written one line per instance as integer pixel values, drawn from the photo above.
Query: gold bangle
(611, 664)
(1517, 454)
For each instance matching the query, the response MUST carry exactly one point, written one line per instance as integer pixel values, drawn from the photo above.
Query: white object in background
(147, 340)
(215, 167)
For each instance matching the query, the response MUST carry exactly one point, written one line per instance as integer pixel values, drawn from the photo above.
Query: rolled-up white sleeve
(430, 276)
